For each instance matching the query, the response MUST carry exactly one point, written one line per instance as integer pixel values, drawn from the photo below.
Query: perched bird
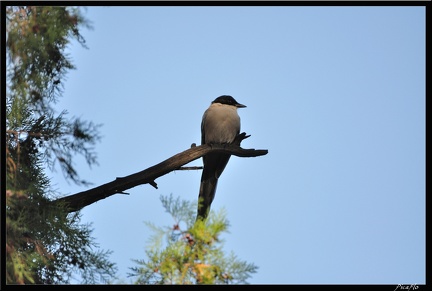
(220, 125)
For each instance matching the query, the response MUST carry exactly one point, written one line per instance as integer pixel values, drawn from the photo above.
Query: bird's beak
(238, 105)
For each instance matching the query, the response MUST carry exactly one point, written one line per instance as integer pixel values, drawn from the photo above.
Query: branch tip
(153, 183)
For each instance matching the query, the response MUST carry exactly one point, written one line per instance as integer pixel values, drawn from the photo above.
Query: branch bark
(78, 201)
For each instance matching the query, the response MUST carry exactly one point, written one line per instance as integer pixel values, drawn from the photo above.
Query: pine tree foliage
(36, 66)
(44, 244)
(190, 252)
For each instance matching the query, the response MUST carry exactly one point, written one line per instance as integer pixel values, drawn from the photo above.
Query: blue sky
(337, 96)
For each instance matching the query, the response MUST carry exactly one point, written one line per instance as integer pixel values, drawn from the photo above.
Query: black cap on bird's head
(228, 100)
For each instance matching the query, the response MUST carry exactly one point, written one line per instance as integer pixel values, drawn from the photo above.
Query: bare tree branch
(78, 201)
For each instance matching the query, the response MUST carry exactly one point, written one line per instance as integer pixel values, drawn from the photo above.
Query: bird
(220, 125)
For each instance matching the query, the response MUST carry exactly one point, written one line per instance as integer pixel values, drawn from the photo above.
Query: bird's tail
(214, 164)
(206, 194)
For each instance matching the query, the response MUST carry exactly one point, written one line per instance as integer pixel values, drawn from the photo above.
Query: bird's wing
(202, 130)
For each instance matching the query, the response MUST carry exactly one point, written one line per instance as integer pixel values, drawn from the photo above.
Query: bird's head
(228, 100)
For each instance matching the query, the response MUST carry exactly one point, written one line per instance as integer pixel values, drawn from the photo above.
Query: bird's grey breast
(221, 124)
